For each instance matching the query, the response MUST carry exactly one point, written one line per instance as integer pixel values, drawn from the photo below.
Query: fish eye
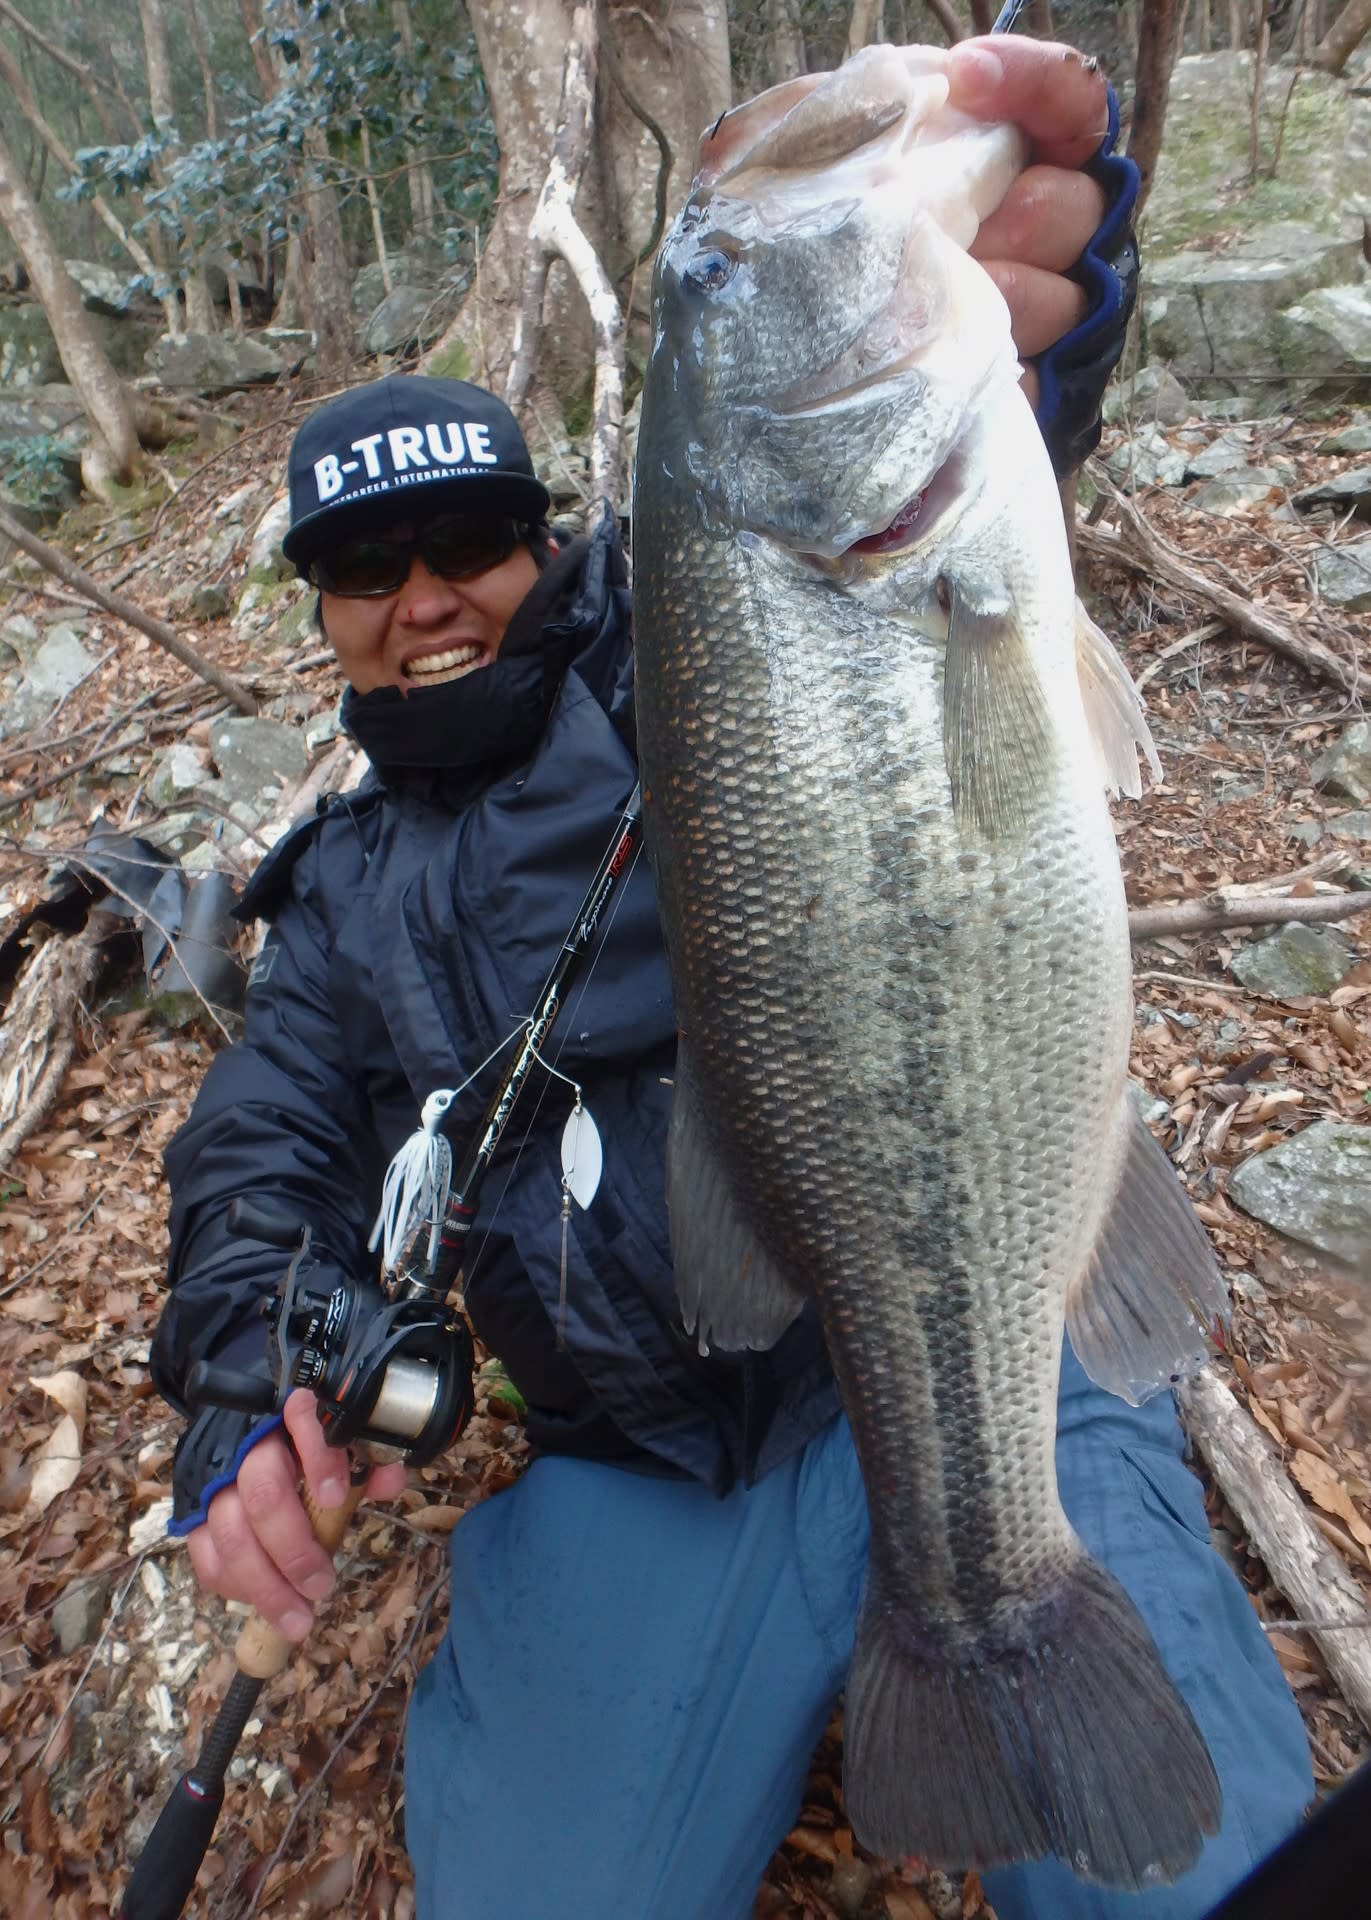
(710, 270)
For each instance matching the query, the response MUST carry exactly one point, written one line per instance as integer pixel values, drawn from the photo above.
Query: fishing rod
(391, 1367)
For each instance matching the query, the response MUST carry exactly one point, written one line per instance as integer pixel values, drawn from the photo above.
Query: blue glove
(1074, 372)
(208, 1456)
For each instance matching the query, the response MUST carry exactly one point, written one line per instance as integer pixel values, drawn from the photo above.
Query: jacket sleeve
(281, 1119)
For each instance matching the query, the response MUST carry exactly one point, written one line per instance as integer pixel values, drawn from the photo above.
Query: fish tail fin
(1063, 1734)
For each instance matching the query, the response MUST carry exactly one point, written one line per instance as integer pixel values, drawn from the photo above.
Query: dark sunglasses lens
(360, 567)
(456, 548)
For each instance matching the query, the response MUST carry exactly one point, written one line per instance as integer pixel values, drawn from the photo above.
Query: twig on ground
(1258, 910)
(1139, 546)
(156, 630)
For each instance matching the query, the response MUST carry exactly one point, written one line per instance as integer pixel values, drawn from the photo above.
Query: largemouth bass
(875, 741)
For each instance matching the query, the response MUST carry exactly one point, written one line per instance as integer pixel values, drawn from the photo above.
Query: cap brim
(516, 496)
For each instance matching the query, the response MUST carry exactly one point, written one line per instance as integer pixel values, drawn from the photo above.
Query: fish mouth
(917, 519)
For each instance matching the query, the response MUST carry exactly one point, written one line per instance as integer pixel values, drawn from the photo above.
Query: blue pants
(620, 1720)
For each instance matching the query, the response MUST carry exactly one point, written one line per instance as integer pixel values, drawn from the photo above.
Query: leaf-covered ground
(91, 1739)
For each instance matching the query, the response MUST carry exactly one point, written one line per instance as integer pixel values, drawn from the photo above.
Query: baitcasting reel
(392, 1369)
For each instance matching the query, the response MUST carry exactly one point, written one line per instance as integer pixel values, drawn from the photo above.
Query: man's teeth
(443, 662)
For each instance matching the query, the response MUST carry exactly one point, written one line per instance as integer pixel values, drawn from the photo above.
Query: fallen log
(1256, 910)
(156, 630)
(1251, 1476)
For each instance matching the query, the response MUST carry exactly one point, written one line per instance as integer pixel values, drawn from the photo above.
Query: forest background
(218, 211)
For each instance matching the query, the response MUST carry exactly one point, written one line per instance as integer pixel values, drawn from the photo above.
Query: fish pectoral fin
(998, 739)
(1145, 1310)
(732, 1292)
(1113, 710)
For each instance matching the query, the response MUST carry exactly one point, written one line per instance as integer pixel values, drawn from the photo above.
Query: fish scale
(875, 738)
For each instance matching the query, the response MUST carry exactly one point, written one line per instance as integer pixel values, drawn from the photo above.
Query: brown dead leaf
(58, 1461)
(1323, 1486)
(1265, 1419)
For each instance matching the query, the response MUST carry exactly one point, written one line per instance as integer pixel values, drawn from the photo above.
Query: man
(649, 1631)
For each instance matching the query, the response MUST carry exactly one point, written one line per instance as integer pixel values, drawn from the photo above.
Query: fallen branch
(1257, 910)
(157, 631)
(1252, 1479)
(38, 1032)
(1138, 545)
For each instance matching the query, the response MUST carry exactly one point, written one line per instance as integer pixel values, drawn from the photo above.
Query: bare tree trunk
(378, 231)
(423, 197)
(1157, 48)
(100, 207)
(105, 398)
(157, 54)
(1039, 19)
(1204, 28)
(1342, 39)
(673, 58)
(251, 12)
(1258, 73)
(788, 58)
(866, 25)
(90, 80)
(197, 40)
(1237, 25)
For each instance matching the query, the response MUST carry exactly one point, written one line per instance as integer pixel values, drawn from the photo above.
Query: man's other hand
(1051, 212)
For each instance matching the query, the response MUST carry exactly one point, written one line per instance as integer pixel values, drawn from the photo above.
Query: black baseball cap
(407, 442)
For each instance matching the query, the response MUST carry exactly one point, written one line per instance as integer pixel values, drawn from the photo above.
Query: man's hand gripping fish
(875, 740)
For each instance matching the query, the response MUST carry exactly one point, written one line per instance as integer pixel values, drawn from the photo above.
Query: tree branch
(1256, 910)
(156, 630)
(1139, 546)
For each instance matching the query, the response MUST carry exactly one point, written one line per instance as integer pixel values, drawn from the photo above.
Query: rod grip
(262, 1650)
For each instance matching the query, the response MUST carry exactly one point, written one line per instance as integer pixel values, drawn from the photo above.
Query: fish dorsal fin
(998, 741)
(1113, 710)
(1145, 1310)
(732, 1292)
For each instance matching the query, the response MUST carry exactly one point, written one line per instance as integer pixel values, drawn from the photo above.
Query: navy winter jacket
(411, 928)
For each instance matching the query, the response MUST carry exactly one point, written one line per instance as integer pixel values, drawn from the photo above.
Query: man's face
(431, 628)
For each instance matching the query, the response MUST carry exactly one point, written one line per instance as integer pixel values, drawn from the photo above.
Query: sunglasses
(375, 564)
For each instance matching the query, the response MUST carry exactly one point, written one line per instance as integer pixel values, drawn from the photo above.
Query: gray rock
(1345, 767)
(208, 602)
(1154, 393)
(849, 1886)
(253, 755)
(1315, 1188)
(294, 345)
(28, 352)
(1294, 961)
(60, 664)
(1152, 1109)
(1326, 334)
(1350, 826)
(1236, 492)
(1355, 437)
(1230, 451)
(1347, 492)
(102, 289)
(265, 558)
(407, 317)
(20, 636)
(1344, 575)
(180, 770)
(1305, 833)
(213, 362)
(77, 1615)
(1146, 459)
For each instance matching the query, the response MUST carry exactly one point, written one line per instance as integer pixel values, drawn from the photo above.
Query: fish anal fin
(1059, 1732)
(733, 1293)
(1144, 1312)
(998, 740)
(1113, 710)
